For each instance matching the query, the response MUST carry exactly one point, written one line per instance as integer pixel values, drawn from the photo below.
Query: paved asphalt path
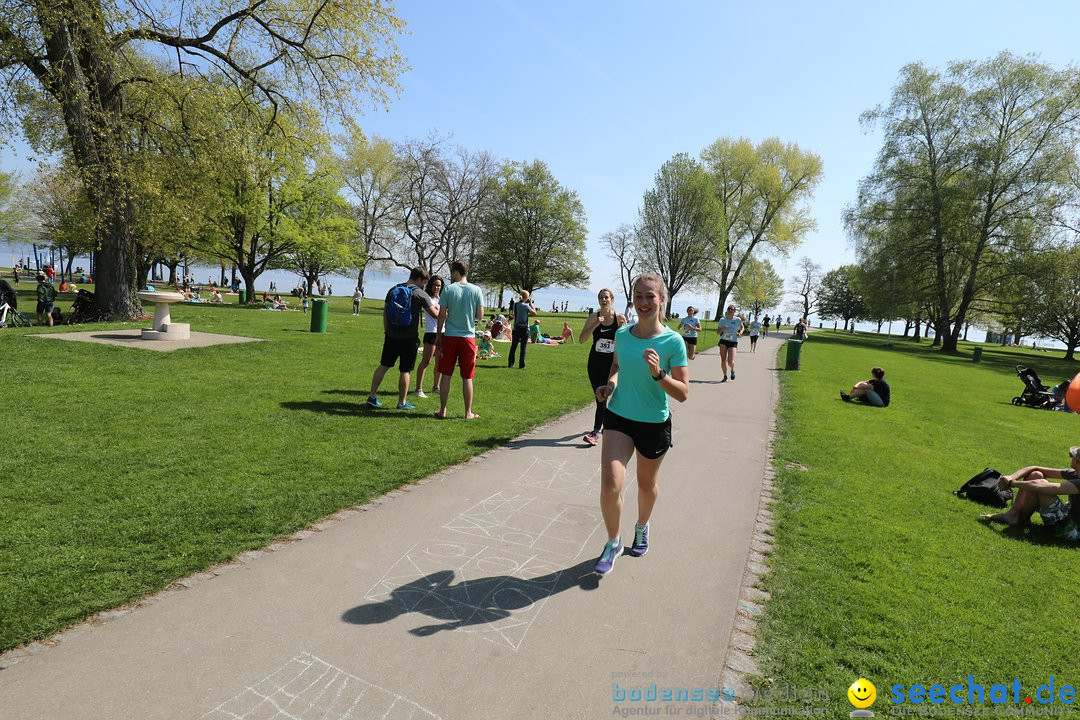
(470, 595)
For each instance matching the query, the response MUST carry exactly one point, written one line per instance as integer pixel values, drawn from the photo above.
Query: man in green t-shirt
(46, 295)
(462, 304)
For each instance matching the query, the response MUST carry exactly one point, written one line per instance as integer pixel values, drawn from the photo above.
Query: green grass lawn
(126, 469)
(879, 571)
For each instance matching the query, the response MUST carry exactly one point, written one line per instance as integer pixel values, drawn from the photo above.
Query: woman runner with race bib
(649, 367)
(730, 328)
(602, 325)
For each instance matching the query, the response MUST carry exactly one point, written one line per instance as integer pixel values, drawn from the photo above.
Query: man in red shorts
(462, 304)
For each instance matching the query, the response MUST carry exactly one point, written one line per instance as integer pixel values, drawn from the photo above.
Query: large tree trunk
(85, 89)
(249, 283)
(114, 294)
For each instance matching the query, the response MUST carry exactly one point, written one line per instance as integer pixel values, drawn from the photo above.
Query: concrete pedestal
(164, 328)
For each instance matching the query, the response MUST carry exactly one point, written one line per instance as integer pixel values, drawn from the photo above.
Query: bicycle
(14, 318)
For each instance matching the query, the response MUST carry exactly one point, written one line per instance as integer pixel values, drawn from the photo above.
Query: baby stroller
(80, 308)
(1035, 393)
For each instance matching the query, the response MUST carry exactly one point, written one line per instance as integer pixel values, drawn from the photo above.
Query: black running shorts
(404, 349)
(652, 440)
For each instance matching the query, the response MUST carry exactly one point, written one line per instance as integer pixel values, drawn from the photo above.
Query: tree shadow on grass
(352, 409)
(470, 602)
(995, 357)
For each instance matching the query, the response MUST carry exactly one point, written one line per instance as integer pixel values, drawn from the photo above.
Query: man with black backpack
(46, 295)
(401, 322)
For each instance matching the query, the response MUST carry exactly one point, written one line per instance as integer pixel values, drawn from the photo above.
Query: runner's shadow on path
(511, 443)
(470, 602)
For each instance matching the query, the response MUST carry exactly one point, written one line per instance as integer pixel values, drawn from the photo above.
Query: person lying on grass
(874, 391)
(1036, 492)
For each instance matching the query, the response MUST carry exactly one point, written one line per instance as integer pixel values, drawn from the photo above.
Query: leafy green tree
(973, 171)
(64, 216)
(372, 174)
(532, 235)
(839, 297)
(760, 193)
(323, 230)
(256, 180)
(82, 56)
(759, 286)
(674, 233)
(15, 221)
(1055, 307)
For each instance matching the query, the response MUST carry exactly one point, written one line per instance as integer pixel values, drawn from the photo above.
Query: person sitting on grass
(1036, 492)
(567, 334)
(1060, 391)
(486, 350)
(874, 391)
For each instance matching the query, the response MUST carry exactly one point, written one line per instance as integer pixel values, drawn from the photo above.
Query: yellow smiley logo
(862, 693)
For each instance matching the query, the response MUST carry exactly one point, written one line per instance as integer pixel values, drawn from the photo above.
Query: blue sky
(604, 92)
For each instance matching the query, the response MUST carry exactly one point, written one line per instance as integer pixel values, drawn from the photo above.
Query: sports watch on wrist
(661, 376)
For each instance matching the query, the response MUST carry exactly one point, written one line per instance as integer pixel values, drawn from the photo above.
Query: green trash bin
(243, 297)
(976, 356)
(318, 315)
(794, 350)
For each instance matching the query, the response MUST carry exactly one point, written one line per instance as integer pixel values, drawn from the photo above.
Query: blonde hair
(653, 277)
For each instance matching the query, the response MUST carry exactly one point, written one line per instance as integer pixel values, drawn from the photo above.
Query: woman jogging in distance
(648, 367)
(602, 326)
(434, 288)
(730, 328)
(754, 328)
(690, 326)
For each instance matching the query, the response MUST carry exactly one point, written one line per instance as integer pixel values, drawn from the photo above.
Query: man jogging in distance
(401, 321)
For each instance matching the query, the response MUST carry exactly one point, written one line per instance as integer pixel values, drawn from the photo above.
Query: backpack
(399, 308)
(983, 488)
(49, 294)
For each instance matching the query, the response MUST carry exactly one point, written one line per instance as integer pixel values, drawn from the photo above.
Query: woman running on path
(690, 326)
(755, 329)
(730, 328)
(431, 324)
(649, 365)
(602, 326)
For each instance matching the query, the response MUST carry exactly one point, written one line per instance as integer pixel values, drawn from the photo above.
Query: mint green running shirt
(637, 396)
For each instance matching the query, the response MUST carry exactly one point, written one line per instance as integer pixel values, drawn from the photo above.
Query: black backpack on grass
(983, 488)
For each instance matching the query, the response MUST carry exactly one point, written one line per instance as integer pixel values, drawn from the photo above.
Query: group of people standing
(451, 314)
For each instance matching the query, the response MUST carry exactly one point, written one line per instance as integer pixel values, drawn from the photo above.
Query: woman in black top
(602, 326)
